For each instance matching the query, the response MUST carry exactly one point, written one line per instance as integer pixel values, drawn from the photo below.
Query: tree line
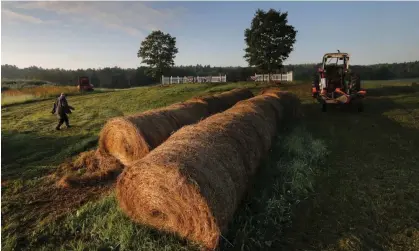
(269, 42)
(116, 77)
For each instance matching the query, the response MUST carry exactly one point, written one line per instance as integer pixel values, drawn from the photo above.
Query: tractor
(84, 84)
(335, 84)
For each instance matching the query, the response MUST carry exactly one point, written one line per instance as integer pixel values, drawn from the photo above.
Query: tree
(158, 51)
(269, 40)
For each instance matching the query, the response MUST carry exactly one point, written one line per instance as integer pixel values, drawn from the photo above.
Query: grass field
(339, 180)
(20, 94)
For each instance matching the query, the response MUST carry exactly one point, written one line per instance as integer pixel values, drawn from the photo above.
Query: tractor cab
(332, 72)
(334, 82)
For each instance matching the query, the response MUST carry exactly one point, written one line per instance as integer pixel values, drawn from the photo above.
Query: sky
(74, 35)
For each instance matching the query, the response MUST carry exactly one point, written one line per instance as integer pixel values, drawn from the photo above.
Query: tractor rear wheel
(316, 82)
(355, 82)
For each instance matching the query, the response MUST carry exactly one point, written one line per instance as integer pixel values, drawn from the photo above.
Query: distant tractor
(335, 84)
(84, 84)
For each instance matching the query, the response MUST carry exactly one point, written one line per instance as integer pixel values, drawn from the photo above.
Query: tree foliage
(158, 51)
(270, 40)
(120, 78)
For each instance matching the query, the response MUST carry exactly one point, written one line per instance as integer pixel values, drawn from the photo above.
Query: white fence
(275, 77)
(191, 79)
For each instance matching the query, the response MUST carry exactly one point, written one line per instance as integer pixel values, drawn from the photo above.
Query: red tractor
(335, 84)
(84, 84)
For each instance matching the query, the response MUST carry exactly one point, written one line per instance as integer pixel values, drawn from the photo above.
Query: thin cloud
(11, 16)
(130, 17)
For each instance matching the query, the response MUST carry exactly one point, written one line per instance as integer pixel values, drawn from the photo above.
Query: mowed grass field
(339, 180)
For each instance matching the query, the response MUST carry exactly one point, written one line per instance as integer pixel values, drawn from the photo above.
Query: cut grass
(286, 179)
(365, 190)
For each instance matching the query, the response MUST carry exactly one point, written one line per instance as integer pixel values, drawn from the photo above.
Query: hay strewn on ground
(99, 168)
(130, 138)
(193, 183)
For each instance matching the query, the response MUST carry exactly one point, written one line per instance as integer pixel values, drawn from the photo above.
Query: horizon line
(204, 65)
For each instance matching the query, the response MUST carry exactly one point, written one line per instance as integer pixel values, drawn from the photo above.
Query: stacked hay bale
(193, 183)
(132, 137)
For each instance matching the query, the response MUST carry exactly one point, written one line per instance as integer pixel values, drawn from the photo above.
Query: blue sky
(75, 35)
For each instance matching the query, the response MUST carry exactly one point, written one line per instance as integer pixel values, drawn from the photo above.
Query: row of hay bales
(131, 138)
(193, 183)
(126, 139)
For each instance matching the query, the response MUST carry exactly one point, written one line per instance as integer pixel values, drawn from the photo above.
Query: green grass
(8, 100)
(339, 180)
(41, 93)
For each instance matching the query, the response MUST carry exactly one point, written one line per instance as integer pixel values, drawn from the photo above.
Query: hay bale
(288, 100)
(132, 137)
(193, 183)
(222, 101)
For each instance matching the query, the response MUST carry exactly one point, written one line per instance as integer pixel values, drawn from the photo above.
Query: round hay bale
(288, 100)
(222, 101)
(269, 90)
(193, 183)
(187, 112)
(131, 138)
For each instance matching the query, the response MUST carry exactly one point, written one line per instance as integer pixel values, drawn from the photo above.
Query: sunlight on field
(384, 83)
(14, 96)
(11, 99)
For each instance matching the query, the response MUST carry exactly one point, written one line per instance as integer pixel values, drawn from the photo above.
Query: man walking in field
(61, 109)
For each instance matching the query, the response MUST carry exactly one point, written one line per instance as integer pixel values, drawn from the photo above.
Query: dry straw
(222, 101)
(99, 167)
(193, 183)
(132, 137)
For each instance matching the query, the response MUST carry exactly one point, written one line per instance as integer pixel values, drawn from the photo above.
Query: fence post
(162, 79)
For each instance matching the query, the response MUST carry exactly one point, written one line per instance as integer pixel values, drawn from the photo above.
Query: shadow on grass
(366, 193)
(392, 90)
(22, 156)
(284, 179)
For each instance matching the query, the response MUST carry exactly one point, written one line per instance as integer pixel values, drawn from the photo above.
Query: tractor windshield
(335, 61)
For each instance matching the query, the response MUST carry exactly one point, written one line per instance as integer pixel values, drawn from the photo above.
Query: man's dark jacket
(61, 107)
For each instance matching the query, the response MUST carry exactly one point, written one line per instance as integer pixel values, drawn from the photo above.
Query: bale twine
(193, 183)
(132, 137)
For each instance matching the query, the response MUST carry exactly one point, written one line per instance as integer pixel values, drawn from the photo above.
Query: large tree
(158, 51)
(270, 40)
